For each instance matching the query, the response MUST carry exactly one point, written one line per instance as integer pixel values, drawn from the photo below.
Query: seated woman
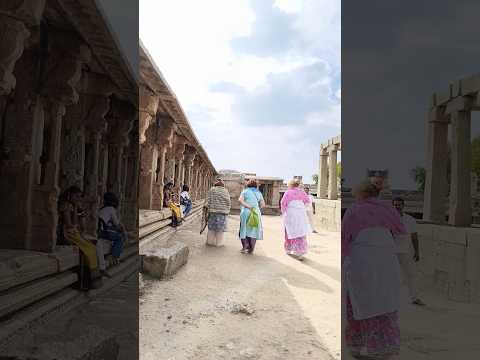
(70, 227)
(185, 201)
(110, 228)
(170, 202)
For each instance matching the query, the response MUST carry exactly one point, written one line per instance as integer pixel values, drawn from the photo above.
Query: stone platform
(165, 261)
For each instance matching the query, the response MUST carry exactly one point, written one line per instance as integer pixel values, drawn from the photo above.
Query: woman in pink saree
(372, 275)
(295, 219)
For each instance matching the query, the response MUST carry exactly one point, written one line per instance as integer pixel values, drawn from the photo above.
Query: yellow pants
(87, 248)
(176, 210)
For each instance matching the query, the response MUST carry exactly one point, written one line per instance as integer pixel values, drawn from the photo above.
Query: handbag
(253, 219)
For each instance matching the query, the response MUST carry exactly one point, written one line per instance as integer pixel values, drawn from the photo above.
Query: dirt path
(225, 305)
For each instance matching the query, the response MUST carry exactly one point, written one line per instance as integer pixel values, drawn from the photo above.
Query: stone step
(19, 297)
(21, 266)
(165, 261)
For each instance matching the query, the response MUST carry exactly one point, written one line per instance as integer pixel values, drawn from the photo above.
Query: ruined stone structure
(451, 108)
(451, 251)
(327, 174)
(69, 116)
(269, 187)
(169, 150)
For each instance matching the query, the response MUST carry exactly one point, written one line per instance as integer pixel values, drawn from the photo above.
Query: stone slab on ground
(165, 261)
(92, 343)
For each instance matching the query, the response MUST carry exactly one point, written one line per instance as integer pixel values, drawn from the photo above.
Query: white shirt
(185, 195)
(310, 204)
(404, 242)
(108, 213)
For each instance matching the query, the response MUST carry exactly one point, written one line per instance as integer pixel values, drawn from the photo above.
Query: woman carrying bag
(252, 201)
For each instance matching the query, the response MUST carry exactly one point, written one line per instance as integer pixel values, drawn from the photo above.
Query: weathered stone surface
(327, 214)
(93, 343)
(165, 261)
(19, 298)
(20, 266)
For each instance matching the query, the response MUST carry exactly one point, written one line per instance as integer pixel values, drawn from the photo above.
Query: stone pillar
(22, 123)
(322, 191)
(332, 174)
(165, 134)
(131, 185)
(436, 170)
(148, 168)
(148, 104)
(120, 121)
(180, 143)
(460, 186)
(170, 166)
(188, 162)
(57, 93)
(96, 105)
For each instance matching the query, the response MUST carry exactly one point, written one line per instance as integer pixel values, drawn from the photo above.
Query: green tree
(476, 155)
(315, 179)
(339, 170)
(419, 175)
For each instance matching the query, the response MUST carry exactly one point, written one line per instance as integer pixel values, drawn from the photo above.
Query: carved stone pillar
(165, 134)
(22, 123)
(149, 158)
(180, 144)
(131, 192)
(460, 186)
(57, 92)
(188, 162)
(323, 175)
(120, 121)
(148, 103)
(332, 174)
(436, 177)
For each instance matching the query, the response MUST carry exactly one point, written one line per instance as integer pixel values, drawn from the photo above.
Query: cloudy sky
(259, 80)
(396, 54)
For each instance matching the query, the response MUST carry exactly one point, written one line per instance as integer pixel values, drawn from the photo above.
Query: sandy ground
(226, 305)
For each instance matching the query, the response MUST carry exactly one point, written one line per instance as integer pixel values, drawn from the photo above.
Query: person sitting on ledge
(110, 228)
(185, 200)
(170, 202)
(71, 226)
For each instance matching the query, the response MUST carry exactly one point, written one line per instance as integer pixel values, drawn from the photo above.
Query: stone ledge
(21, 266)
(165, 261)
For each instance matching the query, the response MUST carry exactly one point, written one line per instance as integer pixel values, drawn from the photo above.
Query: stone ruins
(169, 152)
(452, 249)
(68, 101)
(328, 207)
(270, 188)
(327, 174)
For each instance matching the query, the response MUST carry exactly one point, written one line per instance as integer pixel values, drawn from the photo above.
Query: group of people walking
(379, 242)
(296, 206)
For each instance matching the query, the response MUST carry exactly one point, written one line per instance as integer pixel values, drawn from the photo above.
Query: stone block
(165, 261)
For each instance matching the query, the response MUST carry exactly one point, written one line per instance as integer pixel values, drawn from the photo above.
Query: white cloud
(192, 44)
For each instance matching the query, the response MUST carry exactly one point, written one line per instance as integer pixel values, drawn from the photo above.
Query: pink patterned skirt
(377, 337)
(297, 246)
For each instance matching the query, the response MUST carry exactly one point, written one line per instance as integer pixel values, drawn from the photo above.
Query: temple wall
(327, 214)
(450, 256)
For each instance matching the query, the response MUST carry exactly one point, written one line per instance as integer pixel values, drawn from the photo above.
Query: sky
(258, 80)
(395, 55)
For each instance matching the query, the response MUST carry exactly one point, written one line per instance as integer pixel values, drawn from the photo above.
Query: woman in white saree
(295, 219)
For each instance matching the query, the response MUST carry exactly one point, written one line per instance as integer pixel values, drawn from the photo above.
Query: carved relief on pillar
(148, 104)
(180, 145)
(15, 17)
(148, 166)
(164, 141)
(67, 55)
(189, 157)
(120, 120)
